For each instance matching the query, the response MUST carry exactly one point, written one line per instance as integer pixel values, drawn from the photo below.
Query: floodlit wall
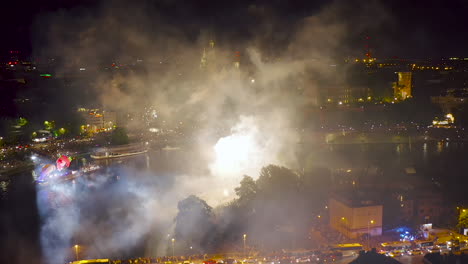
(354, 222)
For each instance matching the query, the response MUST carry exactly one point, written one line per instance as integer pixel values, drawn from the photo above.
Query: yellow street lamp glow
(372, 221)
(76, 251)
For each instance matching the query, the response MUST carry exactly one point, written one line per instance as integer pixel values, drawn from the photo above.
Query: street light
(345, 230)
(245, 237)
(371, 222)
(76, 251)
(173, 241)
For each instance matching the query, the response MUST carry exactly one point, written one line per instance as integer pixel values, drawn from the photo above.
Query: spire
(203, 60)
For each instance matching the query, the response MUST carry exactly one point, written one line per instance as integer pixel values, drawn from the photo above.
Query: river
(20, 220)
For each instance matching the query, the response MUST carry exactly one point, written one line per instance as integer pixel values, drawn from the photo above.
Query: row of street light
(369, 223)
(77, 247)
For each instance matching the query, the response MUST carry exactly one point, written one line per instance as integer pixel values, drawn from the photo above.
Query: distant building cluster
(97, 120)
(364, 208)
(392, 80)
(402, 88)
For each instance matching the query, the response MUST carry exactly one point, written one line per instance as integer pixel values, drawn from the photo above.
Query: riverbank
(8, 172)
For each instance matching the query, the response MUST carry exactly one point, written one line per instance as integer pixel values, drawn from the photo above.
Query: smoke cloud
(240, 97)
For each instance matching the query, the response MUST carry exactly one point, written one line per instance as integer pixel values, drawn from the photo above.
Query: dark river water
(21, 220)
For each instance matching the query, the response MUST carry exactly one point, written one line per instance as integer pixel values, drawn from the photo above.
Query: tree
(49, 125)
(277, 179)
(463, 219)
(22, 122)
(247, 189)
(119, 136)
(280, 207)
(194, 223)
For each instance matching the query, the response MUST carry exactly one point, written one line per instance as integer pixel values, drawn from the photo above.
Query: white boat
(169, 148)
(119, 151)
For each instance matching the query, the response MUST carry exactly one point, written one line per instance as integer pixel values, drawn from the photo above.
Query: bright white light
(33, 157)
(252, 81)
(226, 192)
(240, 153)
(233, 152)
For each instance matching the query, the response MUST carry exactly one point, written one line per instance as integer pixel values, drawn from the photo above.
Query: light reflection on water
(421, 154)
(440, 147)
(425, 151)
(4, 187)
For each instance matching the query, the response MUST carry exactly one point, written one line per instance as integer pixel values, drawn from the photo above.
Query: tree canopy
(194, 223)
(119, 136)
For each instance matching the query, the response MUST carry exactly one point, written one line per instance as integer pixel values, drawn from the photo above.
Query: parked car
(395, 253)
(415, 252)
(434, 250)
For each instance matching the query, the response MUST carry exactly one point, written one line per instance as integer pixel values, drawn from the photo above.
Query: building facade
(402, 88)
(97, 120)
(355, 218)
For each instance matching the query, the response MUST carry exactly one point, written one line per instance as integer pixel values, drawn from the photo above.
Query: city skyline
(397, 29)
(250, 132)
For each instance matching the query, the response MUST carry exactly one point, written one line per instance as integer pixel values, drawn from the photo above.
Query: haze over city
(224, 132)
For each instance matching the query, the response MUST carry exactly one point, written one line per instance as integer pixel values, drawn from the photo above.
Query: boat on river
(119, 151)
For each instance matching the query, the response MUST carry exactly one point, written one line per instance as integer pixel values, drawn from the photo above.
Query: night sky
(413, 29)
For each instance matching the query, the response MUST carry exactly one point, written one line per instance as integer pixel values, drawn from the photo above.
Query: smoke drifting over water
(245, 117)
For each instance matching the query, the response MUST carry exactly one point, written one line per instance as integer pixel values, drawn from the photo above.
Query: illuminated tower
(237, 59)
(402, 88)
(204, 60)
(368, 51)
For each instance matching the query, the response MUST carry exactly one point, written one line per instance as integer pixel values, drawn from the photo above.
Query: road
(411, 259)
(402, 259)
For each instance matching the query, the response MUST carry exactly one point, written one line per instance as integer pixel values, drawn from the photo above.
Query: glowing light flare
(450, 118)
(233, 152)
(244, 152)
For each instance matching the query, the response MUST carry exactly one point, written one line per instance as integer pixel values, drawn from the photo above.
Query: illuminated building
(355, 217)
(97, 120)
(402, 88)
(422, 206)
(447, 122)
